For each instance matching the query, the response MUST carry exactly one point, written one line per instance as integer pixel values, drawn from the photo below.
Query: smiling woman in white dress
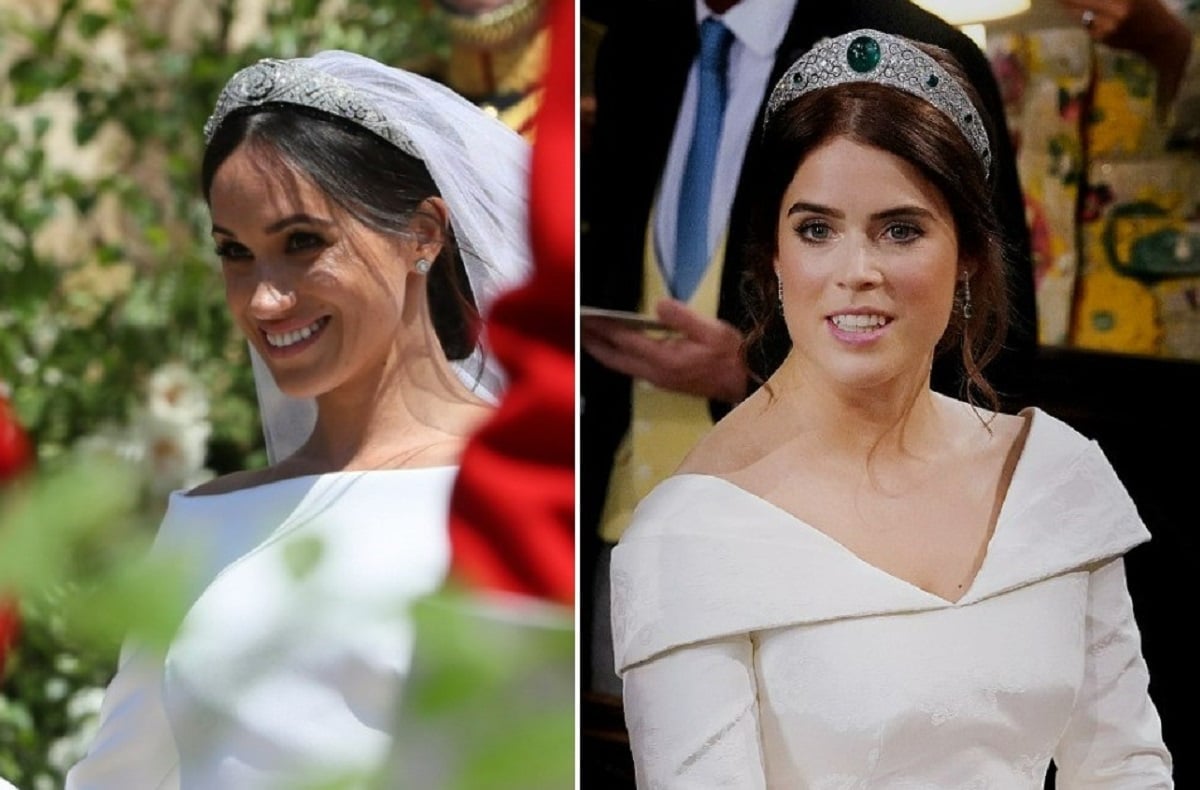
(852, 581)
(364, 216)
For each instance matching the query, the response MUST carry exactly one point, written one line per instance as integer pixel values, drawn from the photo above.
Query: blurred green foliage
(490, 701)
(73, 551)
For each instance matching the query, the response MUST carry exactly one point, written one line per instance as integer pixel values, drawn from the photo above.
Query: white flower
(66, 751)
(27, 365)
(44, 335)
(111, 442)
(85, 703)
(167, 436)
(66, 664)
(56, 689)
(175, 394)
(52, 376)
(173, 452)
(44, 782)
(60, 238)
(83, 710)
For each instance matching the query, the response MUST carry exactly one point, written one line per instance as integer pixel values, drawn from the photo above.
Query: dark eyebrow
(281, 224)
(891, 213)
(903, 211)
(814, 208)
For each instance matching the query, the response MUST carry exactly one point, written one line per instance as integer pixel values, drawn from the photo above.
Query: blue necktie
(691, 230)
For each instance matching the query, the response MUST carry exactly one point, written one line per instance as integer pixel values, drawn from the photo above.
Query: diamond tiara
(872, 56)
(272, 81)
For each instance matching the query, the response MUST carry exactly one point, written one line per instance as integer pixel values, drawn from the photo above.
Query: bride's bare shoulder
(234, 481)
(251, 478)
(734, 443)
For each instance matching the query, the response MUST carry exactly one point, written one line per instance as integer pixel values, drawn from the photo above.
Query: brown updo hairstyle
(911, 128)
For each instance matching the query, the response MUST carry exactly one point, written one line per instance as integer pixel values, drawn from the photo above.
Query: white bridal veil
(480, 166)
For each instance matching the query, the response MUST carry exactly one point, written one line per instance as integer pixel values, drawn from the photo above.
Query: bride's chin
(302, 393)
(298, 387)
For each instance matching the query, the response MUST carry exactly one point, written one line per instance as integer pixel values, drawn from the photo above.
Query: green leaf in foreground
(74, 537)
(489, 704)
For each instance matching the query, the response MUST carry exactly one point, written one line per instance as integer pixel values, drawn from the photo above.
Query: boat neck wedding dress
(758, 652)
(287, 667)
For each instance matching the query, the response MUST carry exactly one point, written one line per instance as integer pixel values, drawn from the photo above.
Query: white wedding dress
(287, 667)
(757, 652)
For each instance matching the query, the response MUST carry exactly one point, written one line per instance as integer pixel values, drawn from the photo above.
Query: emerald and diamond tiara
(872, 56)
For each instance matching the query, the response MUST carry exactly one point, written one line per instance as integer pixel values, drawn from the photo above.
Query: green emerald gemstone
(932, 81)
(863, 54)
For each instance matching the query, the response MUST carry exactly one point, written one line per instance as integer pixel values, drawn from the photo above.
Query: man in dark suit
(642, 74)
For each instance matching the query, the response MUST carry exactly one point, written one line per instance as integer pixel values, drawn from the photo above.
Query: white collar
(758, 24)
(696, 566)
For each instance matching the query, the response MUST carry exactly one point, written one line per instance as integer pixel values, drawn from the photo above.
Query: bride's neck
(410, 411)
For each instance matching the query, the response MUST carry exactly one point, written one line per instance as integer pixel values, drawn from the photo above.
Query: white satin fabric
(288, 666)
(757, 652)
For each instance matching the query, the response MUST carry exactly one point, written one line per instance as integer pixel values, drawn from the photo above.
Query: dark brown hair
(372, 180)
(911, 128)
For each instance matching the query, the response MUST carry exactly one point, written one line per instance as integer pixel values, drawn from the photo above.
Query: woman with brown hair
(854, 581)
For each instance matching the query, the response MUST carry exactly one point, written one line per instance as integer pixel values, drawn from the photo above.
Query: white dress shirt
(758, 27)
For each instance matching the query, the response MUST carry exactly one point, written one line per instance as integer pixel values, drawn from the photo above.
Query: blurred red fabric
(16, 454)
(512, 514)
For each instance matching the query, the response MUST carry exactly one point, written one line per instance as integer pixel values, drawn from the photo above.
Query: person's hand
(697, 355)
(1146, 27)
